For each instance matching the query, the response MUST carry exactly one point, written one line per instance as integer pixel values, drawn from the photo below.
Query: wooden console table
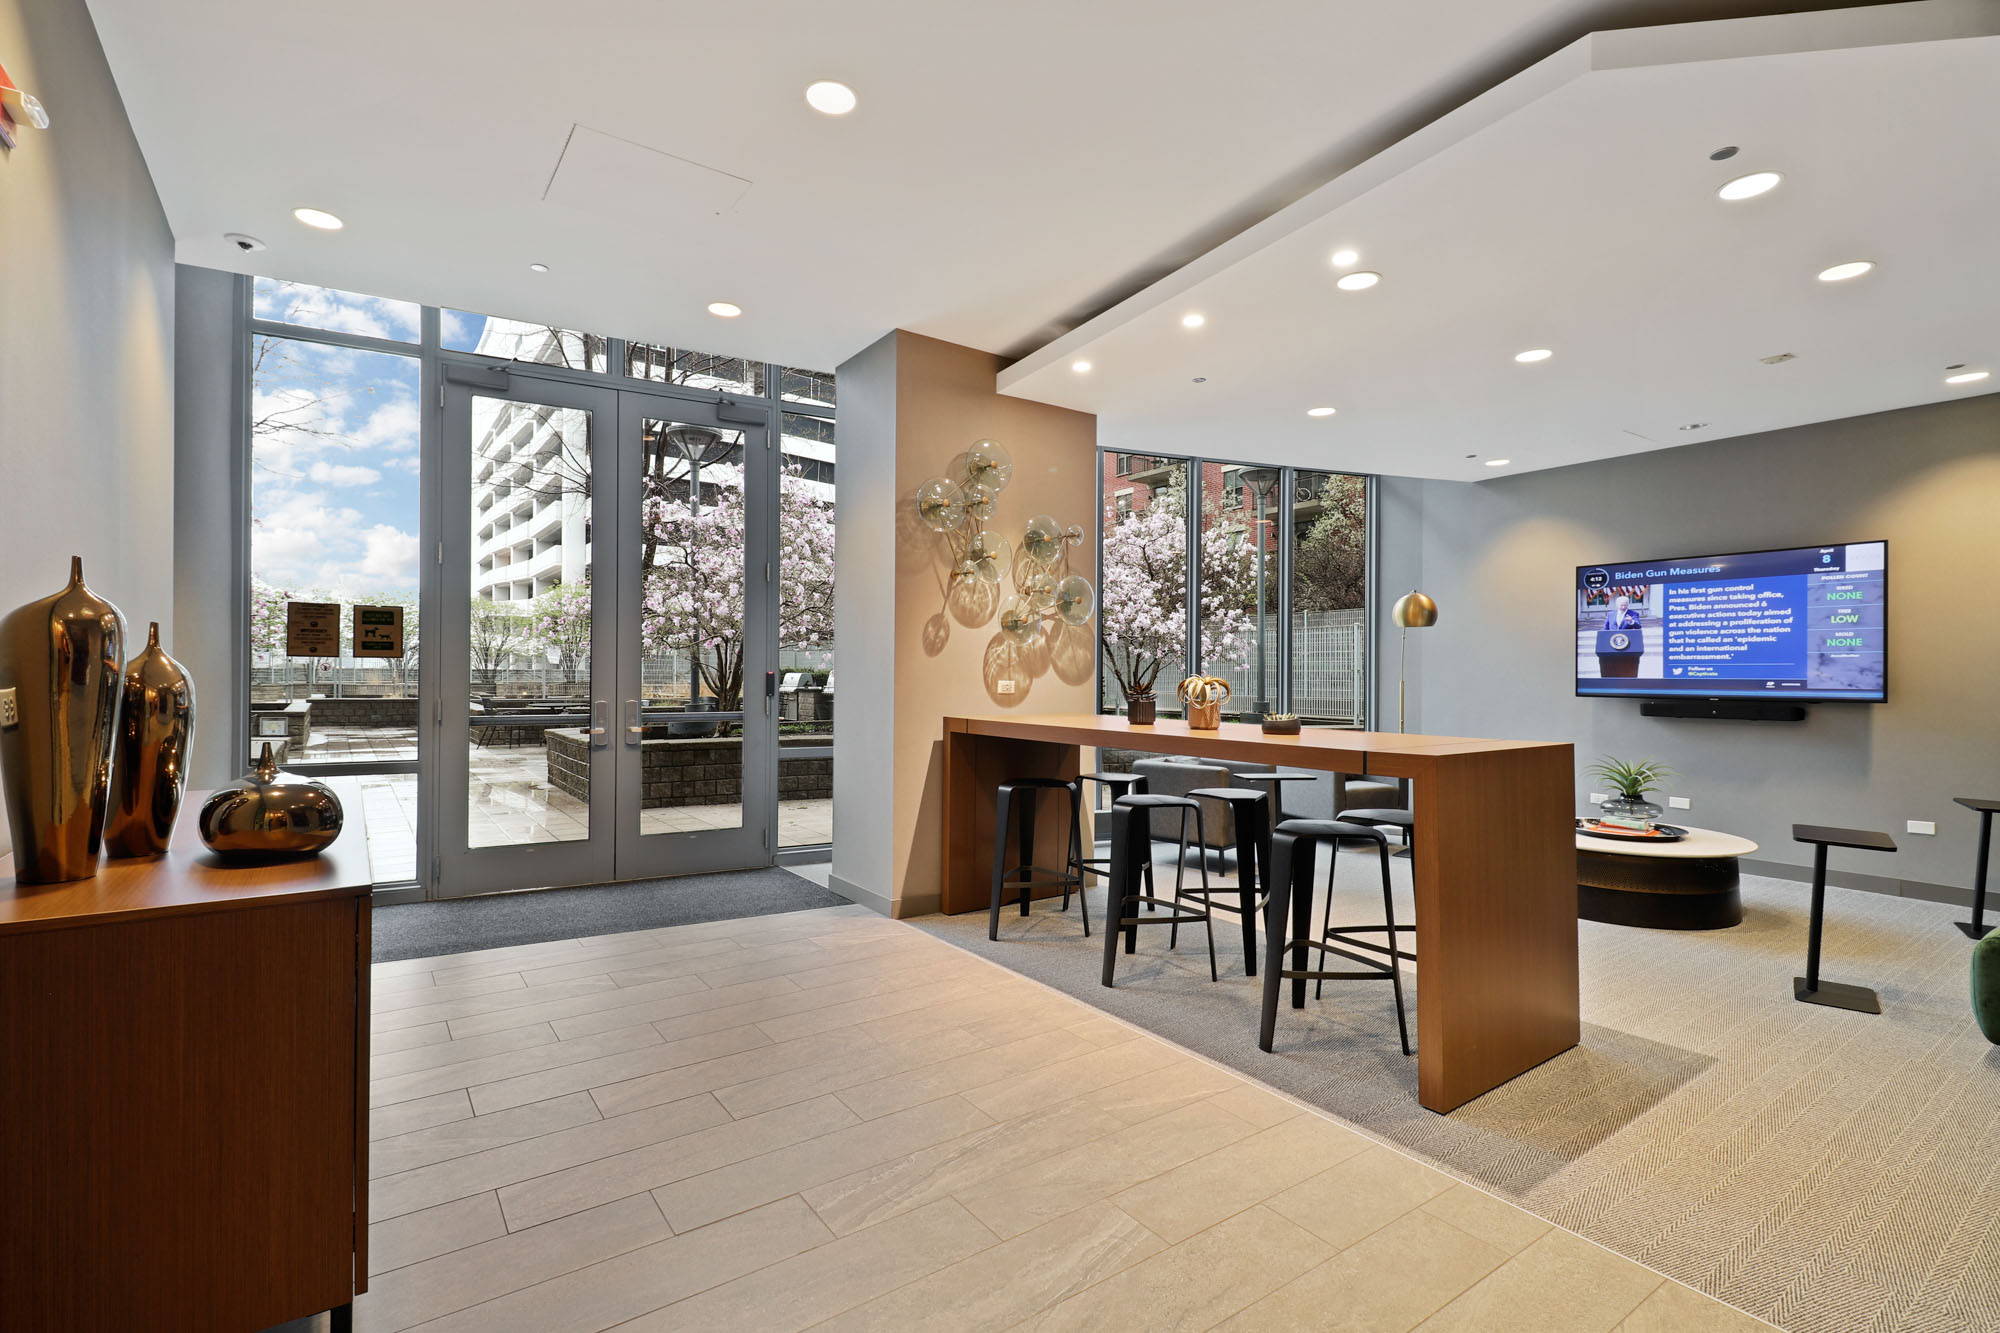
(1494, 865)
(183, 1090)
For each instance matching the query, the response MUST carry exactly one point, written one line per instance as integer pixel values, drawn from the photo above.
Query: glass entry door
(603, 631)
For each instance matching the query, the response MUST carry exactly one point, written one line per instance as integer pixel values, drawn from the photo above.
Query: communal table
(1494, 867)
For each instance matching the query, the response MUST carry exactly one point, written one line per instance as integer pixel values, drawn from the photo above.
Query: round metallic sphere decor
(1039, 588)
(270, 813)
(1075, 600)
(989, 554)
(981, 500)
(941, 505)
(1020, 621)
(1413, 610)
(988, 464)
(1043, 540)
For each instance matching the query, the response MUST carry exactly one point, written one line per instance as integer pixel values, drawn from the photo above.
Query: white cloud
(342, 474)
(390, 555)
(342, 312)
(393, 425)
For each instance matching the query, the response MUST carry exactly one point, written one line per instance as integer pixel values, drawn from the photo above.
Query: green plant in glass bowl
(1630, 809)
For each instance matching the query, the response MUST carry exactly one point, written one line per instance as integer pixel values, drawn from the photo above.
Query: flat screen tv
(1805, 623)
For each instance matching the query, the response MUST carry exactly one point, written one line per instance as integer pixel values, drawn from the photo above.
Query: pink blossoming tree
(1142, 619)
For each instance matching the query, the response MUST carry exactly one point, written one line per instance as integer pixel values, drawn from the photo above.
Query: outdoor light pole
(1261, 479)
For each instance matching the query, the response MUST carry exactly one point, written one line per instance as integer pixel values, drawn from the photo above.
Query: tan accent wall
(946, 655)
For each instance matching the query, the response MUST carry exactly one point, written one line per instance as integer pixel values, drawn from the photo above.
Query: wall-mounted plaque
(312, 629)
(378, 631)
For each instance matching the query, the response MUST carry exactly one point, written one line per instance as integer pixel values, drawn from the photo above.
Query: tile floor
(830, 1120)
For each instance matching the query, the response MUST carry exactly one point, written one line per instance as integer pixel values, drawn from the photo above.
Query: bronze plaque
(378, 631)
(312, 629)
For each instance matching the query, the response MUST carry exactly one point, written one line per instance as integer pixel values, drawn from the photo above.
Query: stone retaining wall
(677, 771)
(364, 712)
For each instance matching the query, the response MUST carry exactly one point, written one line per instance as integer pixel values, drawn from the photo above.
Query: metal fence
(660, 678)
(1329, 666)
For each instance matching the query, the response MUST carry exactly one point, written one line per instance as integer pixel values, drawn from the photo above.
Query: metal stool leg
(1180, 874)
(1118, 896)
(1395, 963)
(1251, 873)
(1207, 899)
(1002, 813)
(1076, 851)
(1027, 848)
(1282, 882)
(1326, 912)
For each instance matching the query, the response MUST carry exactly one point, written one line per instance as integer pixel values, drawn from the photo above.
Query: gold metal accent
(1204, 697)
(1413, 610)
(270, 813)
(61, 657)
(149, 769)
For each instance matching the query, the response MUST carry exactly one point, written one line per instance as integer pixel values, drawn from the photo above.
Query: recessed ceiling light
(1749, 187)
(318, 217)
(1357, 282)
(1192, 321)
(1498, 462)
(1967, 377)
(1842, 272)
(830, 98)
(1723, 154)
(1533, 354)
(1345, 259)
(724, 309)
(1319, 411)
(538, 268)
(1080, 367)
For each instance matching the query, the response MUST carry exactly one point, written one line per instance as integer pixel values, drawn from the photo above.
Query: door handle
(634, 733)
(599, 715)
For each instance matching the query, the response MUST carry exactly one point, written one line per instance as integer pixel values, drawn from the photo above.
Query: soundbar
(1731, 710)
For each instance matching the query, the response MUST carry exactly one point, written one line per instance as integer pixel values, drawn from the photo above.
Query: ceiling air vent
(1779, 359)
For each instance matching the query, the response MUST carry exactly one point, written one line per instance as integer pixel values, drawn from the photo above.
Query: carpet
(461, 925)
(1824, 1170)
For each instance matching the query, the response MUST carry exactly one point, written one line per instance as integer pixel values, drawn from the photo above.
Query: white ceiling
(1574, 208)
(1010, 164)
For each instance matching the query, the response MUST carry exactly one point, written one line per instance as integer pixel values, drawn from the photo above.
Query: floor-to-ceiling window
(341, 388)
(1273, 563)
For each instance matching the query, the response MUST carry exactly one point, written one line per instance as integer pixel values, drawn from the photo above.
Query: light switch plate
(1003, 687)
(1922, 826)
(1680, 803)
(1598, 798)
(10, 711)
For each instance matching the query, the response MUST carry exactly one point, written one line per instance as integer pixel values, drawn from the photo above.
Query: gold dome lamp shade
(1413, 610)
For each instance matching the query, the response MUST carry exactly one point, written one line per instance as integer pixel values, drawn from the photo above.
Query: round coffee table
(1685, 885)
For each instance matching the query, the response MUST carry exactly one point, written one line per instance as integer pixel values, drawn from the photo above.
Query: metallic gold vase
(60, 656)
(269, 813)
(149, 761)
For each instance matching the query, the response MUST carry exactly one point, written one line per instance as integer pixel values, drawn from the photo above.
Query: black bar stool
(1346, 934)
(1024, 873)
(1406, 820)
(1292, 848)
(1977, 927)
(1277, 781)
(1131, 846)
(1118, 784)
(1809, 988)
(1250, 811)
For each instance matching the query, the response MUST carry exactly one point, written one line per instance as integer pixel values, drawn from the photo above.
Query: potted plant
(1630, 809)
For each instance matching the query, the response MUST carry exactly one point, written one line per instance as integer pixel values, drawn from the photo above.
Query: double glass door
(605, 706)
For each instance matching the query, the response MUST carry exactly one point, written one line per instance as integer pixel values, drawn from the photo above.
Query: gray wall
(1500, 559)
(86, 335)
(209, 397)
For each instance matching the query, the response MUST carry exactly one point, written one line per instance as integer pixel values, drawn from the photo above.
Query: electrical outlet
(1924, 826)
(1003, 687)
(1680, 803)
(10, 711)
(1598, 798)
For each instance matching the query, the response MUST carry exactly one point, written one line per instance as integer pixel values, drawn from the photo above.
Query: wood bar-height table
(1495, 868)
(184, 1090)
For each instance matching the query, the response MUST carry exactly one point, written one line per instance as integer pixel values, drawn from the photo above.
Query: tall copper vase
(60, 656)
(149, 761)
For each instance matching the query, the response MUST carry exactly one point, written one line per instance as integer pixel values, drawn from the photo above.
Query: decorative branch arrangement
(958, 508)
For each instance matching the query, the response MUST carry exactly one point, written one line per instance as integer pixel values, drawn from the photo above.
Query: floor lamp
(1413, 610)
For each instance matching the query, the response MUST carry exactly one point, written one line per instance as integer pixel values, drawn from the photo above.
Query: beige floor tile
(386, 1122)
(441, 1143)
(645, 1279)
(493, 1168)
(613, 1006)
(730, 1071)
(1022, 1199)
(1560, 1284)
(489, 1008)
(1101, 1068)
(397, 983)
(1196, 1195)
(587, 1074)
(451, 1282)
(841, 1071)
(1173, 1086)
(690, 1013)
(1016, 1279)
(1495, 1221)
(648, 1163)
(666, 960)
(427, 1034)
(1196, 1284)
(823, 1282)
(1260, 1106)
(429, 1232)
(699, 1200)
(857, 1001)
(508, 1064)
(1365, 1192)
(434, 1055)
(1103, 1031)
(880, 1191)
(394, 1000)
(1387, 1283)
(929, 1082)
(1673, 1308)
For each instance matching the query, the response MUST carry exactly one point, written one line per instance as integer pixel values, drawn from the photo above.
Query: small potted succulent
(1281, 724)
(1630, 809)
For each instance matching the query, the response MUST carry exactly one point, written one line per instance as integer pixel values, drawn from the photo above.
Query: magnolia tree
(267, 627)
(559, 624)
(1142, 615)
(694, 591)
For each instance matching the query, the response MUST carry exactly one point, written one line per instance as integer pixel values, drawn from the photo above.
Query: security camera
(247, 244)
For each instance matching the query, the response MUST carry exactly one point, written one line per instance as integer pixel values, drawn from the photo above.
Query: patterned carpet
(1824, 1170)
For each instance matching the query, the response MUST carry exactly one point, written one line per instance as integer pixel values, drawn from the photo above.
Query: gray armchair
(1322, 799)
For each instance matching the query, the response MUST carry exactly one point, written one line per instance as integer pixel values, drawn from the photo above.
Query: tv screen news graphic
(1805, 623)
